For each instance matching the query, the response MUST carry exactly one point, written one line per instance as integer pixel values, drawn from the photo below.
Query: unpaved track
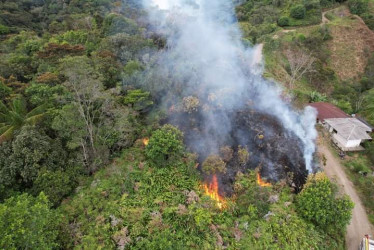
(359, 225)
(324, 18)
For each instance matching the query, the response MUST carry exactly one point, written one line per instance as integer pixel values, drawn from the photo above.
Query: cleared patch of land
(351, 44)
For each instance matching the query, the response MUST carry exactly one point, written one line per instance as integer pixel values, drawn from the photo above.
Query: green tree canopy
(319, 203)
(30, 152)
(138, 99)
(165, 145)
(28, 223)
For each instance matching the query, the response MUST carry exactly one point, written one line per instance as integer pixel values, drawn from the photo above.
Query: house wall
(353, 143)
(346, 143)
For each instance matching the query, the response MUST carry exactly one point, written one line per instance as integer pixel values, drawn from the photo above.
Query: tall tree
(300, 63)
(92, 121)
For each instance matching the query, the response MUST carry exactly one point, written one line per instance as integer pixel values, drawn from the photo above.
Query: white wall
(345, 143)
(353, 143)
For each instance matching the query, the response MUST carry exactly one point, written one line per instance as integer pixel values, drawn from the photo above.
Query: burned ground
(276, 152)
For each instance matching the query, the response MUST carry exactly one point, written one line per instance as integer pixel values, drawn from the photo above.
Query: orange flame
(145, 141)
(212, 191)
(261, 182)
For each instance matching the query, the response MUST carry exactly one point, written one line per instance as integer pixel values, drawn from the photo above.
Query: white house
(348, 133)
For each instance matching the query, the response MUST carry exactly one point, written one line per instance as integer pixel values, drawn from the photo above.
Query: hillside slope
(351, 45)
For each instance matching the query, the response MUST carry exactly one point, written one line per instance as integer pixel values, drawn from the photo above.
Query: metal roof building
(348, 133)
(327, 110)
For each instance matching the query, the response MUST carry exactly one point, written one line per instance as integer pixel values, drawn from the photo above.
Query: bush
(191, 104)
(298, 11)
(317, 97)
(214, 164)
(284, 21)
(165, 146)
(226, 153)
(311, 4)
(243, 155)
(4, 30)
(56, 185)
(301, 37)
(358, 7)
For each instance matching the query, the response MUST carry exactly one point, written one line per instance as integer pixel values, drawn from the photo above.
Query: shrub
(311, 4)
(284, 21)
(358, 7)
(301, 37)
(317, 97)
(4, 30)
(191, 104)
(165, 146)
(226, 153)
(214, 164)
(298, 11)
(243, 155)
(56, 185)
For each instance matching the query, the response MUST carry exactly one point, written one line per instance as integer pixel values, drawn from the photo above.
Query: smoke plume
(205, 57)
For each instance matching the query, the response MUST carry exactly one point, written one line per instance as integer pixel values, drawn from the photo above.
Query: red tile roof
(328, 110)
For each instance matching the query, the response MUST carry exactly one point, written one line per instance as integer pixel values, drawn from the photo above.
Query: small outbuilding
(347, 132)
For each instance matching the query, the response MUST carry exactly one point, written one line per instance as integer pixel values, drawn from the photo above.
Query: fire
(145, 141)
(212, 191)
(261, 182)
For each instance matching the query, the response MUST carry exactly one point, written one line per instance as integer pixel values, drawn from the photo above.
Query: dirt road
(324, 18)
(359, 225)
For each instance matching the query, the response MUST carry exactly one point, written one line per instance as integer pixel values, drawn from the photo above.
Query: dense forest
(88, 161)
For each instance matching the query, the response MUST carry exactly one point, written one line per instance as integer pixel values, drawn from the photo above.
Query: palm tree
(16, 115)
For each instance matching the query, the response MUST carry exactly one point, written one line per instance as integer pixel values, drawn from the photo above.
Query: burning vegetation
(212, 190)
(229, 114)
(261, 182)
(255, 139)
(145, 141)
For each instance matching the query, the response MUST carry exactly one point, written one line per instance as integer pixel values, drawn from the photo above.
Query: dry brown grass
(351, 45)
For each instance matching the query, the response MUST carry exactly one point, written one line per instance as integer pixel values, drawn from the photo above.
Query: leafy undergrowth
(360, 173)
(133, 205)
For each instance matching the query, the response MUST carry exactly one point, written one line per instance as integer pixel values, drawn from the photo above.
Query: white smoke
(205, 48)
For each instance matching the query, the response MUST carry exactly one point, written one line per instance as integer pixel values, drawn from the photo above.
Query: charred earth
(276, 152)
